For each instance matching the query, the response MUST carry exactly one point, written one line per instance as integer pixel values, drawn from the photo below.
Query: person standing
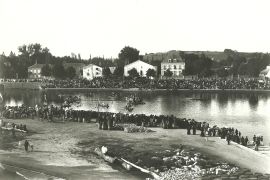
(246, 141)
(194, 129)
(188, 129)
(229, 138)
(254, 139)
(26, 145)
(13, 131)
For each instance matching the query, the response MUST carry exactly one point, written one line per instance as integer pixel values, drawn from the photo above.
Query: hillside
(175, 54)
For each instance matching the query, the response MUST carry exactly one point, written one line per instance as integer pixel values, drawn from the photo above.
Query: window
(174, 66)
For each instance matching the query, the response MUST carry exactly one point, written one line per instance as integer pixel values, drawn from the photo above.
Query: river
(248, 112)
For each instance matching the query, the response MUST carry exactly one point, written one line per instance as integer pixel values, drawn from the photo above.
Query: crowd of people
(18, 112)
(110, 121)
(12, 127)
(145, 83)
(257, 141)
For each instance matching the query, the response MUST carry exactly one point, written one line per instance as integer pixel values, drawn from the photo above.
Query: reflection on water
(247, 112)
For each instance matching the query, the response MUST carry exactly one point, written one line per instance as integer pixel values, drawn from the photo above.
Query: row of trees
(241, 64)
(197, 65)
(15, 66)
(58, 71)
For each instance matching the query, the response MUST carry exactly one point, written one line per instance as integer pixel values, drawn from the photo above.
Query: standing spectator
(26, 145)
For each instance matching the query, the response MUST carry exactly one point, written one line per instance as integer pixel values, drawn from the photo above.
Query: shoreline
(57, 144)
(161, 90)
(37, 86)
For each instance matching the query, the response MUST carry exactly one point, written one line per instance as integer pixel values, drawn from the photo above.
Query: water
(248, 112)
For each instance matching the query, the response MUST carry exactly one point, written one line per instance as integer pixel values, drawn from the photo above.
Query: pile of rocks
(189, 165)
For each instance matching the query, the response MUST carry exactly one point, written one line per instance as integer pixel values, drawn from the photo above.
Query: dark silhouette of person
(26, 145)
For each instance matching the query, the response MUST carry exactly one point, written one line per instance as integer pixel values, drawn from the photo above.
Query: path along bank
(61, 145)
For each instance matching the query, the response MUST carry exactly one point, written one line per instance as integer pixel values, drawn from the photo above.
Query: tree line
(16, 66)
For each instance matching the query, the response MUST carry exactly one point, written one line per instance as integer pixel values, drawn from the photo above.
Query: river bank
(65, 150)
(22, 85)
(161, 90)
(38, 86)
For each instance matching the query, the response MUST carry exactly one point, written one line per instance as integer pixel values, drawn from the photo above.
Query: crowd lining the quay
(146, 83)
(113, 121)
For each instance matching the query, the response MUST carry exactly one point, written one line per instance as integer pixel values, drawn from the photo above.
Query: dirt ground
(66, 149)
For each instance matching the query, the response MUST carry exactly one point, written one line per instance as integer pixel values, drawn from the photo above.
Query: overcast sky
(104, 27)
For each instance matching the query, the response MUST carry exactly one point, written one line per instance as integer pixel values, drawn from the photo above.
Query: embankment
(162, 90)
(21, 85)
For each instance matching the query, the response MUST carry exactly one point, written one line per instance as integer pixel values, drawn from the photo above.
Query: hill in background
(216, 56)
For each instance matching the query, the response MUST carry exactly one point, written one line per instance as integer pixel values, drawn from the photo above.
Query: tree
(70, 72)
(133, 73)
(46, 70)
(151, 73)
(168, 73)
(119, 71)
(222, 72)
(197, 64)
(128, 55)
(58, 71)
(106, 72)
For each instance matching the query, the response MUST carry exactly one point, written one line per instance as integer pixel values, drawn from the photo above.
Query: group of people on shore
(145, 83)
(257, 141)
(18, 112)
(12, 127)
(109, 121)
(230, 134)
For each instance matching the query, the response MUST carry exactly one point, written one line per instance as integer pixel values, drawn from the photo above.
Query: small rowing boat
(107, 158)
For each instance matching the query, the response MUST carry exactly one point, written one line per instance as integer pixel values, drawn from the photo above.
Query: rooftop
(36, 66)
(173, 60)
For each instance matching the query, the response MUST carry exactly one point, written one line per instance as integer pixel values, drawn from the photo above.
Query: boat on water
(199, 99)
(135, 100)
(1, 98)
(129, 107)
(110, 159)
(104, 105)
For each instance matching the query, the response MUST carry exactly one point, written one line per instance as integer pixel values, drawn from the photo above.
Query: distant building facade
(265, 74)
(34, 71)
(91, 71)
(77, 66)
(176, 66)
(112, 69)
(140, 66)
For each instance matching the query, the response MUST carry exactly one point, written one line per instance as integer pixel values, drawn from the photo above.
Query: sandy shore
(64, 149)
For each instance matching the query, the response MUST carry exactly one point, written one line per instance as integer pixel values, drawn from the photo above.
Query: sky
(104, 27)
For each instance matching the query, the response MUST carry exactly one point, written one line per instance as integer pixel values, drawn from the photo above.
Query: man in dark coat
(26, 145)
(228, 138)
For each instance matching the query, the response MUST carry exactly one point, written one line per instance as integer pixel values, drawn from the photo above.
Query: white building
(34, 71)
(112, 69)
(140, 66)
(265, 73)
(91, 71)
(176, 66)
